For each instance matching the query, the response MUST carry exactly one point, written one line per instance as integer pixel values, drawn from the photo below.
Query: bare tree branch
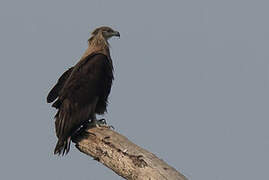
(124, 157)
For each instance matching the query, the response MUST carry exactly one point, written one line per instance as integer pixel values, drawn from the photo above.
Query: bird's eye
(109, 31)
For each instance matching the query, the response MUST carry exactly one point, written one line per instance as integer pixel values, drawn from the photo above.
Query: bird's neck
(97, 44)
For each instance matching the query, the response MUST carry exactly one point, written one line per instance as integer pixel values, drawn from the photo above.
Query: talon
(98, 123)
(103, 121)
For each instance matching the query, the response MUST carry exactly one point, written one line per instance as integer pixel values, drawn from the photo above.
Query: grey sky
(191, 84)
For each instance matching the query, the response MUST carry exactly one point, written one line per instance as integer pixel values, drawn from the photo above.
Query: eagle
(82, 91)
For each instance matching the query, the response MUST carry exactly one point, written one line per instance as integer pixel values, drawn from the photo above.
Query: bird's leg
(97, 123)
(94, 122)
(100, 123)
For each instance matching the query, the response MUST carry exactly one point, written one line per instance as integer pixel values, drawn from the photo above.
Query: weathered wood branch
(124, 157)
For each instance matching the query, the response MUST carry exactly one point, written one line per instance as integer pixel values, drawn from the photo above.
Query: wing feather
(54, 93)
(76, 98)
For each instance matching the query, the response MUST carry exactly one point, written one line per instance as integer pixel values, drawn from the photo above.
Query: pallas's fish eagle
(82, 91)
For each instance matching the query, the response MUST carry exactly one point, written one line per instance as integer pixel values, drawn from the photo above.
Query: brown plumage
(82, 90)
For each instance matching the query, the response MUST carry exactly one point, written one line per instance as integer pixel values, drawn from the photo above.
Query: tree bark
(122, 156)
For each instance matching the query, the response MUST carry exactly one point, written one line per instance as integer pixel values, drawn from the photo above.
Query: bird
(82, 91)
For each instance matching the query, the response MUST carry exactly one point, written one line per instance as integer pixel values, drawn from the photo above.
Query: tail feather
(62, 146)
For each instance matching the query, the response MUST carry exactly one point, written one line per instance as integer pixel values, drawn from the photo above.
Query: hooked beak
(116, 33)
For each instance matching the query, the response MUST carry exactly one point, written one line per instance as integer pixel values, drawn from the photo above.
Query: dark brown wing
(54, 92)
(85, 85)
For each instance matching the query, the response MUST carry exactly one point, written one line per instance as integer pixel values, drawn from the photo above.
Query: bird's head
(105, 32)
